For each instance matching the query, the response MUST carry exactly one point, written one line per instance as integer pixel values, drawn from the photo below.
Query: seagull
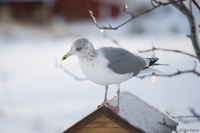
(108, 65)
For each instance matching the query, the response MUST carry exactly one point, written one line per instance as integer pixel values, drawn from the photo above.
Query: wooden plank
(102, 124)
(96, 124)
(104, 115)
(102, 118)
(112, 124)
(122, 122)
(102, 130)
(83, 122)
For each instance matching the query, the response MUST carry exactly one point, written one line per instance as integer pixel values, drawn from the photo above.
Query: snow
(142, 115)
(37, 96)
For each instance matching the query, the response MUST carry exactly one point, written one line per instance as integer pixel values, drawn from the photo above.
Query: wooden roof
(135, 116)
(102, 120)
(142, 115)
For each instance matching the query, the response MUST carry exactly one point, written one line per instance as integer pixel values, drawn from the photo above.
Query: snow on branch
(154, 3)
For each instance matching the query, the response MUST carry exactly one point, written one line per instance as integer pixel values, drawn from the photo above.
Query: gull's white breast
(97, 71)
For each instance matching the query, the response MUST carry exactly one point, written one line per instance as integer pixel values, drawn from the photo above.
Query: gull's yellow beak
(66, 56)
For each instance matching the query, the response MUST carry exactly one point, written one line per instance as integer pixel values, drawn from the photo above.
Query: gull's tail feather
(150, 62)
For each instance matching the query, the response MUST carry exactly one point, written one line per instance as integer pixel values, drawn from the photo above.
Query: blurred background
(36, 95)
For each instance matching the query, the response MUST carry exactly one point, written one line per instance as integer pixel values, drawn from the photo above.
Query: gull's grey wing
(122, 61)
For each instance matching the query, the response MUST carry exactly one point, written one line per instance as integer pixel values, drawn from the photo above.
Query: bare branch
(115, 41)
(71, 74)
(196, 4)
(173, 74)
(125, 6)
(191, 6)
(125, 10)
(179, 4)
(130, 13)
(94, 19)
(194, 115)
(189, 116)
(193, 26)
(164, 123)
(168, 50)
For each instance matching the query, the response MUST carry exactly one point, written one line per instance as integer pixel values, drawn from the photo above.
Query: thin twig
(183, 118)
(130, 13)
(115, 41)
(71, 74)
(164, 123)
(194, 113)
(168, 50)
(189, 116)
(173, 74)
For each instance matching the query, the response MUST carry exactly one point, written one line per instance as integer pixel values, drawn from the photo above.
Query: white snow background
(36, 96)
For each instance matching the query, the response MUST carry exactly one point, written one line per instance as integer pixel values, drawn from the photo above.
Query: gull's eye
(78, 49)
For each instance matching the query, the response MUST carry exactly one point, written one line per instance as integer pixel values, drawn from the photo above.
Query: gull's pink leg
(105, 99)
(115, 108)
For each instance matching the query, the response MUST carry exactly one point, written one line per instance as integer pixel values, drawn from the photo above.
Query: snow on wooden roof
(142, 115)
(102, 120)
(135, 116)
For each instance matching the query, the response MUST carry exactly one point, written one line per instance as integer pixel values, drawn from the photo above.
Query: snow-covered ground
(38, 96)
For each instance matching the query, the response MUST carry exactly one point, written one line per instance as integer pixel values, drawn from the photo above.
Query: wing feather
(122, 61)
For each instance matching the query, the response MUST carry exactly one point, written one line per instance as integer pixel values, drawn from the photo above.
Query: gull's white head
(80, 47)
